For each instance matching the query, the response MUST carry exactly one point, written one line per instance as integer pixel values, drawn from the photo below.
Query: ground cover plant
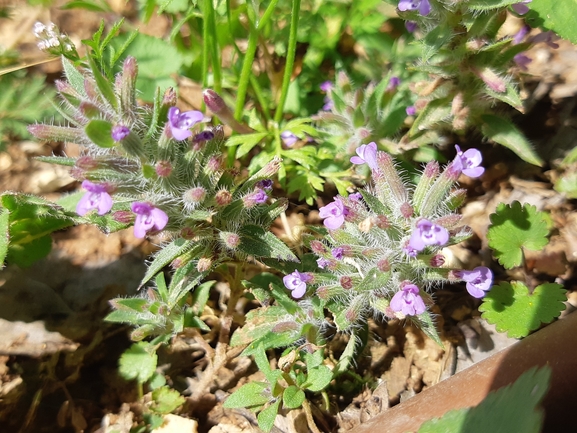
(369, 145)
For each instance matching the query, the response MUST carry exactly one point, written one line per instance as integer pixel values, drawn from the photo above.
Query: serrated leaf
(245, 142)
(258, 242)
(267, 416)
(512, 309)
(557, 16)
(293, 397)
(504, 132)
(318, 378)
(138, 362)
(252, 394)
(513, 228)
(165, 400)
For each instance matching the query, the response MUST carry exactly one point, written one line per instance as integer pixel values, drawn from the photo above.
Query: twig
(309, 415)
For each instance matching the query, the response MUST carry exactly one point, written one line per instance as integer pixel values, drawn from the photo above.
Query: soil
(59, 359)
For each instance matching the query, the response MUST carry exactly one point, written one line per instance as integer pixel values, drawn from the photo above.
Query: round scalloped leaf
(512, 309)
(514, 227)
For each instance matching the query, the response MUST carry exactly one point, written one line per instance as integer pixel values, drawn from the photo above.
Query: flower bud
(346, 282)
(123, 216)
(204, 264)
(230, 240)
(195, 195)
(56, 133)
(492, 80)
(187, 233)
(127, 86)
(437, 261)
(169, 98)
(163, 168)
(214, 164)
(318, 247)
(406, 210)
(86, 162)
(383, 265)
(382, 222)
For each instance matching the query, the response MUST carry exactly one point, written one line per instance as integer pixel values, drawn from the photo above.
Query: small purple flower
(426, 233)
(265, 184)
(203, 136)
(367, 154)
(258, 196)
(288, 138)
(408, 301)
(411, 110)
(328, 104)
(323, 263)
(548, 38)
(338, 253)
(180, 123)
(410, 251)
(479, 280)
(411, 26)
(468, 162)
(119, 132)
(297, 283)
(326, 86)
(334, 214)
(394, 82)
(96, 198)
(520, 35)
(423, 6)
(521, 7)
(355, 196)
(148, 218)
(522, 61)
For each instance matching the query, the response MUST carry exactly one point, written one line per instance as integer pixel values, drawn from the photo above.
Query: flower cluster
(52, 41)
(383, 251)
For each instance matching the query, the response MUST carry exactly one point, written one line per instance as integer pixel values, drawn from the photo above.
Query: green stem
(215, 52)
(291, 51)
(205, 49)
(246, 71)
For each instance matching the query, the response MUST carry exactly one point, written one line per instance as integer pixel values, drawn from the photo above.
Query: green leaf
(100, 133)
(245, 142)
(75, 78)
(293, 397)
(252, 394)
(261, 243)
(513, 228)
(258, 322)
(502, 131)
(425, 322)
(318, 378)
(482, 5)
(267, 416)
(557, 16)
(4, 235)
(166, 400)
(103, 84)
(166, 255)
(138, 362)
(495, 412)
(513, 310)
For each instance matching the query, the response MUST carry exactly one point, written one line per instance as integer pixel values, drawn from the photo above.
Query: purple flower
(180, 123)
(410, 251)
(411, 110)
(288, 138)
(297, 283)
(334, 214)
(148, 218)
(520, 35)
(119, 132)
(326, 86)
(468, 162)
(329, 104)
(547, 37)
(521, 7)
(338, 253)
(411, 26)
(423, 6)
(258, 196)
(522, 61)
(203, 136)
(394, 82)
(355, 196)
(367, 154)
(478, 280)
(426, 233)
(408, 301)
(323, 263)
(265, 184)
(95, 198)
